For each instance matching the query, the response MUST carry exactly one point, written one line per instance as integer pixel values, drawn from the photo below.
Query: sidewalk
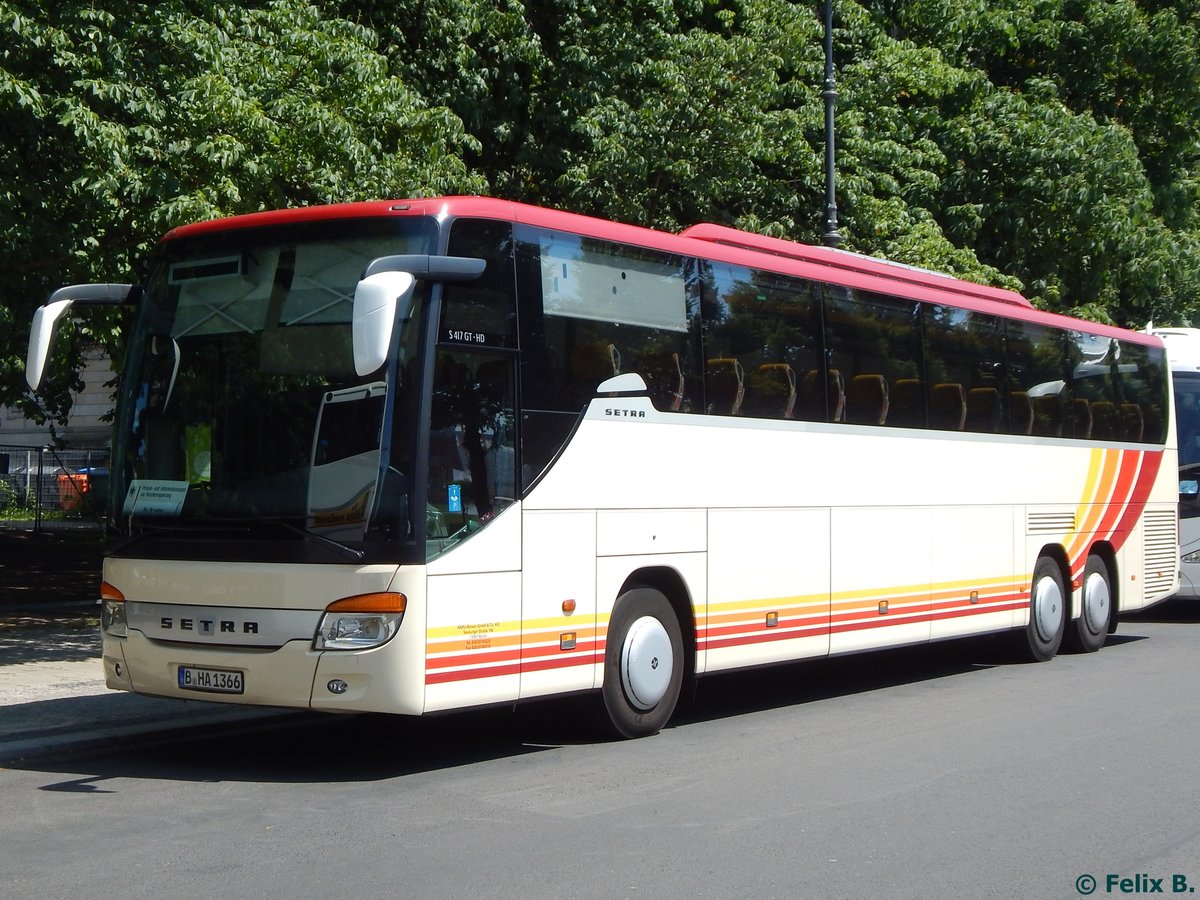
(52, 694)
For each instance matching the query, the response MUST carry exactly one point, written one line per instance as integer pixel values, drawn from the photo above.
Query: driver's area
(472, 445)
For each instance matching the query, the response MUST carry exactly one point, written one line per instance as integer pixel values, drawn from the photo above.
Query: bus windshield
(244, 404)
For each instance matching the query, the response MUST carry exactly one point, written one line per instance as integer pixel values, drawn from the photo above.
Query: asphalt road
(939, 772)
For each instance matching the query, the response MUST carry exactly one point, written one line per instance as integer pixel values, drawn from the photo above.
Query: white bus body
(685, 455)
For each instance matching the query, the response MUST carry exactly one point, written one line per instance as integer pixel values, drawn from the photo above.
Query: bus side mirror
(377, 299)
(41, 336)
(47, 317)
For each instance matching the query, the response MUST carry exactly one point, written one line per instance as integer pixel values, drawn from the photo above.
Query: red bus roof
(713, 242)
(853, 262)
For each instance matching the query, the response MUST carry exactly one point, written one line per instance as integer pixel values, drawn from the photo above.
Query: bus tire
(643, 664)
(1043, 635)
(1090, 629)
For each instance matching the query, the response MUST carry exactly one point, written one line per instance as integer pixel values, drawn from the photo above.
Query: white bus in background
(424, 455)
(1183, 353)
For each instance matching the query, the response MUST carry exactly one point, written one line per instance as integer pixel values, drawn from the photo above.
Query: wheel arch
(1058, 553)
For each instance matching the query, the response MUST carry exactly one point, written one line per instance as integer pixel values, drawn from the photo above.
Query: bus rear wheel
(1090, 629)
(1042, 637)
(643, 664)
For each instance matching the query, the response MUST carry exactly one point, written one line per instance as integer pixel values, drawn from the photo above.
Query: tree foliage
(127, 119)
(1050, 145)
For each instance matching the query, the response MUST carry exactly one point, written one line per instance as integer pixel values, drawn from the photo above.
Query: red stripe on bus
(514, 669)
(884, 622)
(1151, 462)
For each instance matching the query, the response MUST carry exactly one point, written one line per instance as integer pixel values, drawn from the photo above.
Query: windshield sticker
(351, 513)
(454, 498)
(454, 336)
(154, 498)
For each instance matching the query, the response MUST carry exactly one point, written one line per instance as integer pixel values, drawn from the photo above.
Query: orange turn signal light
(381, 602)
(110, 593)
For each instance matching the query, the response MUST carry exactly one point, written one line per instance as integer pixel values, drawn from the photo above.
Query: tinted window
(873, 351)
(594, 310)
(762, 338)
(1142, 387)
(1038, 391)
(965, 362)
(482, 312)
(1094, 407)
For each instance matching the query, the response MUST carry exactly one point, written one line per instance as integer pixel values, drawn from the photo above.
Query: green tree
(669, 113)
(126, 119)
(1071, 146)
(1050, 145)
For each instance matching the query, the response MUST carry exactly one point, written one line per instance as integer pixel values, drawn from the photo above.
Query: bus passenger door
(473, 533)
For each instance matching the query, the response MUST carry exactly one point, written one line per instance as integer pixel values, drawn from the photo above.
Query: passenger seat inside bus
(983, 410)
(1105, 424)
(947, 407)
(1132, 424)
(1083, 418)
(821, 404)
(771, 391)
(906, 403)
(867, 400)
(1020, 412)
(664, 378)
(725, 386)
(1047, 415)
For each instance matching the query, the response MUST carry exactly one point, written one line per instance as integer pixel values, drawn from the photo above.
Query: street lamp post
(831, 236)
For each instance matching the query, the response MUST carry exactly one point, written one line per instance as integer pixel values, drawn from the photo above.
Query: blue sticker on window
(454, 498)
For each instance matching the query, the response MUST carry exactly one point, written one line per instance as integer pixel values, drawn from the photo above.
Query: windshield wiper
(341, 549)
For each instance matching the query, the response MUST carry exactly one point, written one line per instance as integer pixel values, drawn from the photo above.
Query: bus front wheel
(1090, 629)
(643, 663)
(1042, 637)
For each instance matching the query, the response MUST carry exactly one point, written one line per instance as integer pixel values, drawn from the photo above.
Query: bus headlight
(1193, 557)
(360, 622)
(112, 611)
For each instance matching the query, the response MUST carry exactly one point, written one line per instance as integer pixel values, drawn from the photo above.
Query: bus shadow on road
(731, 694)
(314, 748)
(305, 748)
(1175, 610)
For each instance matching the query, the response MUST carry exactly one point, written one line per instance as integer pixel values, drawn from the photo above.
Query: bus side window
(1143, 393)
(1036, 379)
(873, 342)
(966, 349)
(761, 334)
(592, 309)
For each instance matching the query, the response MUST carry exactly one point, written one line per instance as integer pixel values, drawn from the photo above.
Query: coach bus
(1183, 353)
(432, 454)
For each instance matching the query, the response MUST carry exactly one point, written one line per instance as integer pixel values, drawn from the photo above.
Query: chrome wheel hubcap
(1095, 603)
(646, 662)
(1047, 608)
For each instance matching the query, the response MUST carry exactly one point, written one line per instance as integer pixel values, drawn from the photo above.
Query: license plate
(214, 681)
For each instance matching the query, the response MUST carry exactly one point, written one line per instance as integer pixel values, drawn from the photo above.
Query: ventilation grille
(1161, 553)
(1050, 523)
